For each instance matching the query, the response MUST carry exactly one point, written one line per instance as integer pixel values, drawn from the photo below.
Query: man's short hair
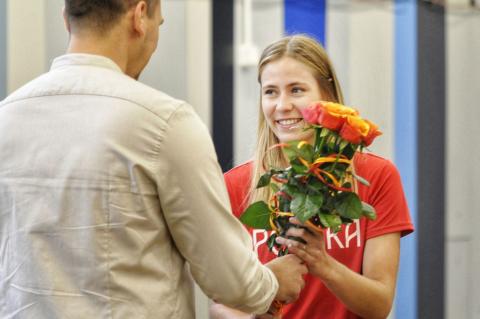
(100, 15)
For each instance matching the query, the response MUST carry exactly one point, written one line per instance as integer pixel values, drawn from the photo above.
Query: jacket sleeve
(196, 208)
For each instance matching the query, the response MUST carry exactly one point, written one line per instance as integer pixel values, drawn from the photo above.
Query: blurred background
(413, 67)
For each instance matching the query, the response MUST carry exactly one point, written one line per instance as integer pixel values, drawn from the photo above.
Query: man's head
(124, 30)
(99, 15)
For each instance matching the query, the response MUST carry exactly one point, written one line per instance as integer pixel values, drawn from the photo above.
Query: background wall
(360, 41)
(463, 159)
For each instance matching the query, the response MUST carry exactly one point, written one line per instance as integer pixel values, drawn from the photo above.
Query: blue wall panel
(406, 146)
(305, 16)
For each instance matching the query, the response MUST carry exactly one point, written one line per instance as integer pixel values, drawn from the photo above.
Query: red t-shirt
(385, 194)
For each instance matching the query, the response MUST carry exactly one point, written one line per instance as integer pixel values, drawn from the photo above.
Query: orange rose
(373, 132)
(340, 110)
(331, 121)
(359, 124)
(310, 114)
(354, 129)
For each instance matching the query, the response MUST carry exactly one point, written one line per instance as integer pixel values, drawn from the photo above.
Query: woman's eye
(268, 92)
(297, 90)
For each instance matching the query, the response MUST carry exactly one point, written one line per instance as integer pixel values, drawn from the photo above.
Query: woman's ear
(140, 18)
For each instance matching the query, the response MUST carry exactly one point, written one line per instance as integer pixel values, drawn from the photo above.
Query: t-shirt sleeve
(387, 197)
(237, 181)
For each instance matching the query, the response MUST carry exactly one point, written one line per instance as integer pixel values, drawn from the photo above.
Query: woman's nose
(284, 103)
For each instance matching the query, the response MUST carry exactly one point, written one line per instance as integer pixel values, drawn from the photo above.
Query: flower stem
(319, 141)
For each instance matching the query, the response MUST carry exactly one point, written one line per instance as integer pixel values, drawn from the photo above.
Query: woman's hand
(370, 294)
(313, 253)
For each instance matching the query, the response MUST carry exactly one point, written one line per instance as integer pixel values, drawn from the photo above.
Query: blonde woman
(352, 274)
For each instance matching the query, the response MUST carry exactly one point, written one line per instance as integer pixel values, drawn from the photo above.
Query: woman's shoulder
(374, 168)
(371, 161)
(240, 172)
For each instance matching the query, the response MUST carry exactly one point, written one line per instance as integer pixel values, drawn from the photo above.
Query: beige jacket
(108, 189)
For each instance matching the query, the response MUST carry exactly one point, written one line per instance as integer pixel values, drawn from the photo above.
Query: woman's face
(288, 86)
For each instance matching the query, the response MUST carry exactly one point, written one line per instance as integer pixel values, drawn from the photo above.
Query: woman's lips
(290, 123)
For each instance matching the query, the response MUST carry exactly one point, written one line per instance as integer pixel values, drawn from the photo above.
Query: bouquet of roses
(318, 186)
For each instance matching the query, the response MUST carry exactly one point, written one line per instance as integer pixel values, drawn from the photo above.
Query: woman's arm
(369, 295)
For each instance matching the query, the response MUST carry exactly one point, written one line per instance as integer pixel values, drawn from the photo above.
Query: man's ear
(140, 18)
(65, 20)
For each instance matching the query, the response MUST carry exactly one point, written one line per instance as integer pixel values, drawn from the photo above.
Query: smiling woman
(288, 86)
(352, 268)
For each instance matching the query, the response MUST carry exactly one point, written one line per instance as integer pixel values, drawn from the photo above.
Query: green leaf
(316, 186)
(333, 222)
(298, 167)
(257, 215)
(331, 144)
(324, 132)
(343, 144)
(290, 189)
(293, 152)
(368, 211)
(306, 206)
(298, 206)
(271, 241)
(348, 205)
(313, 203)
(306, 152)
(290, 151)
(274, 187)
(264, 180)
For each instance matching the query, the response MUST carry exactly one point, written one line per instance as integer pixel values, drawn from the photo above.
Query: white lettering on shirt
(331, 235)
(342, 239)
(259, 237)
(349, 237)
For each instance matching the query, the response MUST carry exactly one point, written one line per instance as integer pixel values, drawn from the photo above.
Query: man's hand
(289, 271)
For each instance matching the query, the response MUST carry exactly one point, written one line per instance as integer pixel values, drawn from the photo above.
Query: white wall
(360, 41)
(267, 27)
(26, 45)
(463, 162)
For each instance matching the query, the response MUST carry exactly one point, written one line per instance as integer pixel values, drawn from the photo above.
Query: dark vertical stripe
(406, 147)
(431, 159)
(305, 16)
(223, 12)
(3, 49)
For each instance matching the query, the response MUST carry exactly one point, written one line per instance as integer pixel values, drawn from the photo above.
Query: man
(108, 188)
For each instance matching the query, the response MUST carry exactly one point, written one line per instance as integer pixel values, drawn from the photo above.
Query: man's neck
(110, 47)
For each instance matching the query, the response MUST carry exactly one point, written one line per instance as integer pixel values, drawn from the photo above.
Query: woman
(352, 274)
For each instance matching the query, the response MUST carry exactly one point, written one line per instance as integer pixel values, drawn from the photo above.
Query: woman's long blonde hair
(308, 51)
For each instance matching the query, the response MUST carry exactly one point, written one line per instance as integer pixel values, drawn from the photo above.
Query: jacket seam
(179, 103)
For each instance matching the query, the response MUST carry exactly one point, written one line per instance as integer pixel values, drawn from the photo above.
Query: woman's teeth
(289, 121)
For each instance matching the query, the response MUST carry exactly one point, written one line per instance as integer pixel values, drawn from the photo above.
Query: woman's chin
(289, 137)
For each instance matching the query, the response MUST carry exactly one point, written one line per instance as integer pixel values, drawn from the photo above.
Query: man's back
(82, 234)
(86, 174)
